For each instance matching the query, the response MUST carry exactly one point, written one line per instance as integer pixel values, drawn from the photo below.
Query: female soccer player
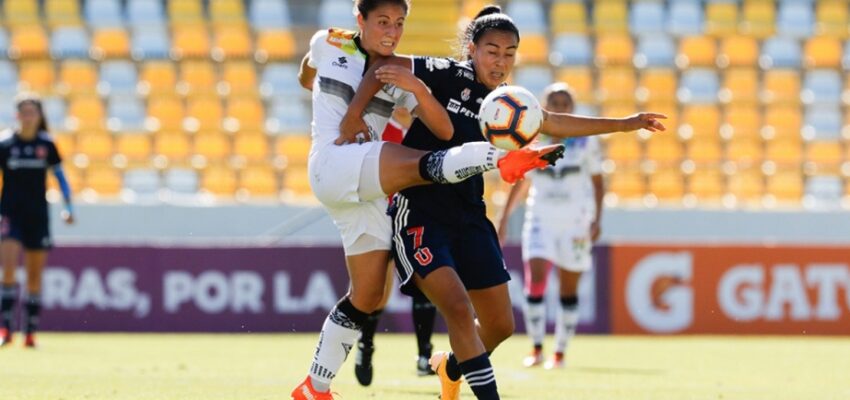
(351, 181)
(444, 244)
(562, 217)
(25, 156)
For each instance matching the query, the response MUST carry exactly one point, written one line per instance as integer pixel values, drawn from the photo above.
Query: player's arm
(68, 212)
(598, 196)
(517, 194)
(569, 125)
(307, 74)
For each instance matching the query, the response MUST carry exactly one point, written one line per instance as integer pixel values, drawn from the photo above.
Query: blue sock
(479, 374)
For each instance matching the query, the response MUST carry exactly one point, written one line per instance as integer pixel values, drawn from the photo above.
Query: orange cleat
(556, 362)
(534, 359)
(449, 389)
(5, 337)
(305, 391)
(29, 342)
(516, 163)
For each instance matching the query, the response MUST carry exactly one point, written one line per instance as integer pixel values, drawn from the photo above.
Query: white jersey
(340, 63)
(563, 193)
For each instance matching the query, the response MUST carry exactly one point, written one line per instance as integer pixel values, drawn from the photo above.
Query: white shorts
(346, 180)
(565, 245)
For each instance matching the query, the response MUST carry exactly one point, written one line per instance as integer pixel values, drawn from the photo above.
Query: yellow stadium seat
(157, 78)
(705, 151)
(610, 16)
(745, 151)
(248, 112)
(252, 146)
(721, 18)
(110, 43)
(832, 18)
(697, 51)
(190, 41)
(197, 77)
(212, 145)
(72, 175)
(706, 184)
(740, 86)
(78, 77)
(219, 180)
(742, 121)
(21, 12)
(700, 121)
(185, 12)
(781, 86)
(167, 112)
(104, 180)
(822, 52)
(275, 45)
(297, 181)
(616, 85)
(62, 13)
(758, 19)
(614, 49)
(657, 85)
(746, 185)
(37, 76)
(784, 152)
(173, 145)
(581, 80)
(227, 12)
(207, 112)
(259, 180)
(295, 149)
(664, 149)
(232, 42)
(667, 184)
(28, 41)
(66, 143)
(87, 113)
(96, 146)
(825, 155)
(568, 17)
(535, 49)
(783, 122)
(623, 149)
(240, 77)
(786, 185)
(738, 51)
(136, 147)
(627, 184)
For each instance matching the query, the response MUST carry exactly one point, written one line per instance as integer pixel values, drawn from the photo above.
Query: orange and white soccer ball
(510, 117)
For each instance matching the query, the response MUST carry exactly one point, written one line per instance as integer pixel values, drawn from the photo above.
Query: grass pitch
(155, 366)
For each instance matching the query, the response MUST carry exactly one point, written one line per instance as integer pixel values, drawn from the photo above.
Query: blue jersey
(454, 85)
(25, 165)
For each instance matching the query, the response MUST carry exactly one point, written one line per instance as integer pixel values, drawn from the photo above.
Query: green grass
(119, 366)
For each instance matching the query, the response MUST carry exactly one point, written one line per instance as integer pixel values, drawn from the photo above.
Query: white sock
(566, 327)
(339, 335)
(535, 322)
(460, 162)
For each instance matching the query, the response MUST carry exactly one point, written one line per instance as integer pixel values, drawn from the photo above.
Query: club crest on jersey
(41, 152)
(341, 62)
(464, 95)
(437, 63)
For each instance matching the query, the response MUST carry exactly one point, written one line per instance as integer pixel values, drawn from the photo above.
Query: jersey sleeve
(436, 72)
(316, 43)
(594, 156)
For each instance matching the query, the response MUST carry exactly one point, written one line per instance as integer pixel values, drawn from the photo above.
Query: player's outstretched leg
(565, 329)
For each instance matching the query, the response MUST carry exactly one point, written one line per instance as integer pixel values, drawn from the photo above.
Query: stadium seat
(667, 184)
(104, 180)
(297, 182)
(783, 121)
(294, 149)
(685, 18)
(8, 78)
(254, 147)
(832, 18)
(616, 85)
(821, 86)
(825, 191)
(28, 42)
(259, 180)
(276, 80)
(77, 77)
(795, 19)
(145, 14)
(69, 42)
(86, 113)
(227, 13)
(572, 49)
(721, 18)
(204, 113)
(157, 78)
(706, 184)
(190, 41)
(747, 185)
(758, 18)
(20, 13)
(699, 85)
(97, 146)
(219, 180)
(172, 145)
(274, 45)
(568, 17)
(627, 184)
(784, 152)
(657, 85)
(742, 121)
(534, 78)
(611, 17)
(4, 43)
(125, 114)
(336, 13)
(780, 52)
(705, 151)
(655, 51)
(786, 186)
(822, 52)
(623, 149)
(697, 51)
(581, 80)
(664, 150)
(269, 15)
(181, 180)
(781, 86)
(647, 17)
(197, 77)
(240, 78)
(185, 12)
(150, 42)
(7, 114)
(136, 147)
(288, 115)
(36, 75)
(528, 15)
(244, 113)
(55, 111)
(232, 42)
(62, 13)
(535, 49)
(614, 49)
(66, 144)
(110, 43)
(738, 51)
(822, 122)
(740, 86)
(745, 151)
(824, 155)
(102, 14)
(143, 182)
(166, 113)
(212, 145)
(700, 121)
(118, 77)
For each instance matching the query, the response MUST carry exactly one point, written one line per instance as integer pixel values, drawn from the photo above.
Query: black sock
(452, 368)
(367, 332)
(351, 317)
(431, 166)
(33, 307)
(479, 374)
(7, 305)
(424, 313)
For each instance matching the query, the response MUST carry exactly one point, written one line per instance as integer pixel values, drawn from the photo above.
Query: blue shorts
(33, 231)
(420, 246)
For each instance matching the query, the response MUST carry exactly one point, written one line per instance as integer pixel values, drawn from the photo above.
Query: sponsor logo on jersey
(465, 73)
(457, 108)
(454, 106)
(464, 95)
(341, 62)
(16, 151)
(437, 63)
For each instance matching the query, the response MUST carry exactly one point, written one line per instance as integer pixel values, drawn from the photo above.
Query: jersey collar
(362, 51)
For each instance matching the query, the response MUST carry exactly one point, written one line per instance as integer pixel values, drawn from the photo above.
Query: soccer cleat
(556, 362)
(305, 391)
(449, 389)
(534, 359)
(422, 367)
(5, 337)
(29, 342)
(516, 163)
(363, 364)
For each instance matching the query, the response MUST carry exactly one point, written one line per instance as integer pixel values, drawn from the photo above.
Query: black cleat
(423, 368)
(363, 364)
(553, 156)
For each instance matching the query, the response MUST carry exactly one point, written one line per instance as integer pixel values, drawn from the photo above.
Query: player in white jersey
(563, 209)
(352, 180)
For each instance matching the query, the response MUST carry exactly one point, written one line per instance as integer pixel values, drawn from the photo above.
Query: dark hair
(30, 98)
(559, 88)
(489, 18)
(364, 7)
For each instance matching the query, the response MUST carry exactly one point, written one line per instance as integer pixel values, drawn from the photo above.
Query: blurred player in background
(446, 226)
(563, 211)
(25, 157)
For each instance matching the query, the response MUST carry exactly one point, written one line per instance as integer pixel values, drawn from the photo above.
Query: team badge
(464, 95)
(41, 152)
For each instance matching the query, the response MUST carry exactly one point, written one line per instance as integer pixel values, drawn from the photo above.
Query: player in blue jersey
(444, 244)
(26, 155)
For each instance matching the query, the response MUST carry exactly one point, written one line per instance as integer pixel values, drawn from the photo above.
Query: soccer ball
(510, 117)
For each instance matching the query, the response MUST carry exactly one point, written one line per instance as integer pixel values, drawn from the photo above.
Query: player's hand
(595, 231)
(648, 121)
(68, 217)
(400, 77)
(353, 129)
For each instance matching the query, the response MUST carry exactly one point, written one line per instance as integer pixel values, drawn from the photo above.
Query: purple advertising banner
(215, 289)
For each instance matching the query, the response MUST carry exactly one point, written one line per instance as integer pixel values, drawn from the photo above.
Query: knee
(367, 300)
(500, 328)
(458, 311)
